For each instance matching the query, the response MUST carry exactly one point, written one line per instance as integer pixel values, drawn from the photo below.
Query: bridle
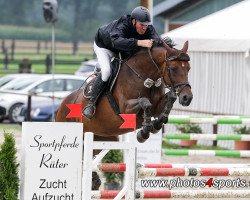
(176, 88)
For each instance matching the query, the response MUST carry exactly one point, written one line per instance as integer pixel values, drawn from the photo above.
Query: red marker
(129, 121)
(75, 111)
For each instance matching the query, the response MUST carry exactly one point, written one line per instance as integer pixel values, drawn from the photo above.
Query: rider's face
(140, 28)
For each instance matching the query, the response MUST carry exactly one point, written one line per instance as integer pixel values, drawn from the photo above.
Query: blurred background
(25, 34)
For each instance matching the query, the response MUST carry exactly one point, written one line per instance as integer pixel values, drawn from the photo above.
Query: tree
(76, 21)
(79, 18)
(9, 181)
(83, 16)
(14, 11)
(120, 8)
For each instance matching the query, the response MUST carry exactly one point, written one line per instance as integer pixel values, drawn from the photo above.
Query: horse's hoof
(165, 121)
(154, 130)
(157, 126)
(96, 181)
(142, 137)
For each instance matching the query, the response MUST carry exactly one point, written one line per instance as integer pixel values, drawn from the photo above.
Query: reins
(148, 82)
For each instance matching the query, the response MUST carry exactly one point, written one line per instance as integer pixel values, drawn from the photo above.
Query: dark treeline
(79, 18)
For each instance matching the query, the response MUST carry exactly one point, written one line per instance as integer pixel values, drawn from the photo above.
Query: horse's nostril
(185, 98)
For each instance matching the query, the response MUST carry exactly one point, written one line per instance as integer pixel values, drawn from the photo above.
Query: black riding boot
(97, 89)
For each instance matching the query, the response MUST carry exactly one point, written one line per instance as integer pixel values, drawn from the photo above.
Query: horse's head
(175, 73)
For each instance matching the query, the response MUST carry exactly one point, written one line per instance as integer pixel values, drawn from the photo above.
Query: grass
(66, 56)
(10, 128)
(65, 61)
(78, 57)
(40, 69)
(31, 33)
(58, 51)
(14, 129)
(169, 145)
(60, 56)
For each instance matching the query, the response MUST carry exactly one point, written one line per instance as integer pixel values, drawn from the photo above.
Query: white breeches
(104, 57)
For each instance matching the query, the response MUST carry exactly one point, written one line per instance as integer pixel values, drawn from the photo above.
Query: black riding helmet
(142, 15)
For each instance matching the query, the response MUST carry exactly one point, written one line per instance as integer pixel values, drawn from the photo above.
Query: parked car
(40, 111)
(88, 67)
(44, 85)
(6, 80)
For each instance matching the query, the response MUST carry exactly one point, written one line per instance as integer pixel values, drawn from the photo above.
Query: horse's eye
(174, 68)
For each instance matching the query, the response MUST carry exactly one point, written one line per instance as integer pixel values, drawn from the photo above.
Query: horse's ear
(168, 48)
(185, 47)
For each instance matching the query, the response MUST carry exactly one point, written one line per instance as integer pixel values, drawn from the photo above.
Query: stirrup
(89, 111)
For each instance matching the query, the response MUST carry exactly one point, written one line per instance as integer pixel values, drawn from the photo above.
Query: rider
(123, 35)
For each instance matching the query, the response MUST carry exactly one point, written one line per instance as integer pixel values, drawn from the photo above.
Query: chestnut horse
(139, 89)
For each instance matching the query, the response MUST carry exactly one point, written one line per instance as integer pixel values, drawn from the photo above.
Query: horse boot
(97, 89)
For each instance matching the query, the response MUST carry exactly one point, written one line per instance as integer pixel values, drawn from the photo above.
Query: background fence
(225, 129)
(67, 57)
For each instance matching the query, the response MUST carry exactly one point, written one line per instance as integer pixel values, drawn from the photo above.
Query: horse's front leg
(134, 106)
(147, 125)
(168, 101)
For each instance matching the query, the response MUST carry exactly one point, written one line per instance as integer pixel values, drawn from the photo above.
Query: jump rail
(143, 172)
(121, 167)
(185, 119)
(226, 153)
(89, 164)
(196, 136)
(166, 172)
(159, 194)
(129, 191)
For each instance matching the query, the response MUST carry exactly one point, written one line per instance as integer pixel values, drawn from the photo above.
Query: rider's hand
(145, 43)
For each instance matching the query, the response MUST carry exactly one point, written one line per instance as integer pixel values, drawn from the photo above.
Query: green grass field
(65, 61)
(68, 57)
(41, 68)
(10, 128)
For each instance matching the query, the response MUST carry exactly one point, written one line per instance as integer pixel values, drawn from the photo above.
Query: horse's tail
(61, 113)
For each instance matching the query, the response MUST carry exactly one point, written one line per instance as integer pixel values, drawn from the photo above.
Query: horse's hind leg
(96, 181)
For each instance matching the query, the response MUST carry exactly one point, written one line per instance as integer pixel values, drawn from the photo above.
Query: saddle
(115, 69)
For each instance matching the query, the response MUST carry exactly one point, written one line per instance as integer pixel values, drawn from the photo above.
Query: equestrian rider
(123, 35)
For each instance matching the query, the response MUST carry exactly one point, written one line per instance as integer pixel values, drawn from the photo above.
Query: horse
(139, 89)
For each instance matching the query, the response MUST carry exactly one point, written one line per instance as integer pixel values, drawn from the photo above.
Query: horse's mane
(179, 55)
(175, 54)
